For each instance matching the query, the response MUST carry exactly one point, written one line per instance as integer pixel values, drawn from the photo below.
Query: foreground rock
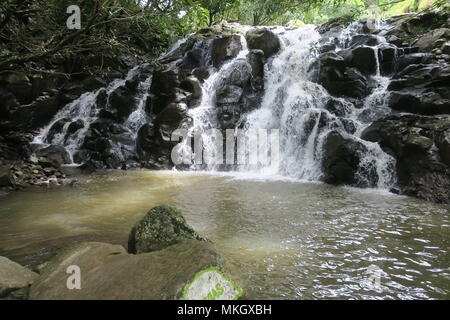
(13, 277)
(342, 162)
(162, 227)
(109, 273)
(421, 146)
(172, 264)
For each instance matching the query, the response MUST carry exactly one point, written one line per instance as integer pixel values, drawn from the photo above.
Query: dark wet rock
(14, 277)
(193, 86)
(56, 128)
(429, 103)
(414, 58)
(170, 119)
(229, 94)
(201, 73)
(93, 83)
(160, 228)
(338, 107)
(36, 114)
(19, 84)
(101, 99)
(122, 102)
(263, 39)
(364, 40)
(225, 48)
(56, 153)
(387, 56)
(331, 70)
(432, 39)
(164, 85)
(364, 59)
(420, 145)
(7, 179)
(341, 161)
(75, 126)
(443, 144)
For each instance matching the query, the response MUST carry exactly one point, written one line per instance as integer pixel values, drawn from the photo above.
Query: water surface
(289, 239)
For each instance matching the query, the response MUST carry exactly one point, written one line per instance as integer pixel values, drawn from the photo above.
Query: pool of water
(289, 239)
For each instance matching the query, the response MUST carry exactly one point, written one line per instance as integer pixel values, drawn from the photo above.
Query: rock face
(109, 273)
(263, 39)
(14, 277)
(6, 177)
(342, 161)
(172, 262)
(420, 145)
(162, 227)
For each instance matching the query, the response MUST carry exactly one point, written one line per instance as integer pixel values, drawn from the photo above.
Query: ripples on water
(290, 240)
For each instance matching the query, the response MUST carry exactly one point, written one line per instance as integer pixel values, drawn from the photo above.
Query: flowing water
(289, 239)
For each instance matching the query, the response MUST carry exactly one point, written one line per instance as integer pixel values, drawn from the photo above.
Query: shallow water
(289, 239)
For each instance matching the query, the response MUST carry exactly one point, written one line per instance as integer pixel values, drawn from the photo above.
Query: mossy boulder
(161, 227)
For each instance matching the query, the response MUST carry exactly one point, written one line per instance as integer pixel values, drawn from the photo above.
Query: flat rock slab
(108, 272)
(13, 276)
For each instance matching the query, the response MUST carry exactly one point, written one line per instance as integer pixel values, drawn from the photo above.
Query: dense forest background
(31, 30)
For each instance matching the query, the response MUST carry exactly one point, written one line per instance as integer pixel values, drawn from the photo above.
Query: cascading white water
(204, 116)
(85, 109)
(295, 106)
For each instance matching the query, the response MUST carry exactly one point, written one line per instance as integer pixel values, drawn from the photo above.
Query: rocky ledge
(173, 262)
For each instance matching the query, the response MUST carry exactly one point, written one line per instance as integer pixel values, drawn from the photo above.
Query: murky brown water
(290, 240)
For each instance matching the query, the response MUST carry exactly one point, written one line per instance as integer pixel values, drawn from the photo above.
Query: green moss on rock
(161, 227)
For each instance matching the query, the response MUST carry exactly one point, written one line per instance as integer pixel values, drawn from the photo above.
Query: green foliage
(35, 29)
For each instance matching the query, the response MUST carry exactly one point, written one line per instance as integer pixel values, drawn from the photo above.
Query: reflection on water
(290, 240)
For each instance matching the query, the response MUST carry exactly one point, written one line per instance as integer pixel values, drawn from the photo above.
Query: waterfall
(292, 103)
(295, 105)
(204, 116)
(86, 109)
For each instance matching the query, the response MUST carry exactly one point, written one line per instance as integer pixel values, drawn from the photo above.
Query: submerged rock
(162, 227)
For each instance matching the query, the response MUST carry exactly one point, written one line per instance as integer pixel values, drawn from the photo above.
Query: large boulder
(334, 74)
(160, 228)
(19, 84)
(170, 119)
(432, 39)
(430, 103)
(59, 154)
(225, 48)
(263, 39)
(14, 277)
(6, 177)
(108, 272)
(122, 102)
(420, 146)
(341, 161)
